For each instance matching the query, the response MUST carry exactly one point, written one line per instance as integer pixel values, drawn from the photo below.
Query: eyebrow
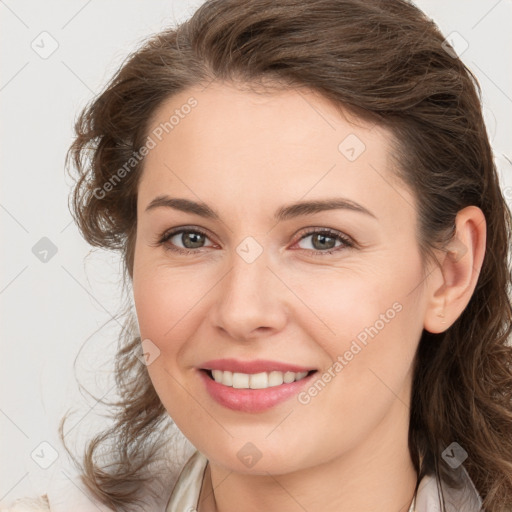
(282, 214)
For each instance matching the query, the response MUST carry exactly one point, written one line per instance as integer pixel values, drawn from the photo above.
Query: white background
(48, 310)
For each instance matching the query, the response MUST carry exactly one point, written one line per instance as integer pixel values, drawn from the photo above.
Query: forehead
(240, 143)
(283, 116)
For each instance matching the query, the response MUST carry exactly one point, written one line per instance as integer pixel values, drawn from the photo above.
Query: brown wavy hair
(384, 61)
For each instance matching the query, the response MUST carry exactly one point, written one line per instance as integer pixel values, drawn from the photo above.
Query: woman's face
(322, 287)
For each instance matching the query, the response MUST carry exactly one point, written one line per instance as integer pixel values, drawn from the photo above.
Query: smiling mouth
(262, 380)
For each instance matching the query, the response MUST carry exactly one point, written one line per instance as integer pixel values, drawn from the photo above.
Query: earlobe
(459, 268)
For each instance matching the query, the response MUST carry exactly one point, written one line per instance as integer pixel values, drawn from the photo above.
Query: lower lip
(251, 400)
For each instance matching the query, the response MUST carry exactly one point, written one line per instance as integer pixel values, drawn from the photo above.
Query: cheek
(371, 355)
(162, 310)
(161, 293)
(368, 320)
(170, 304)
(161, 302)
(338, 307)
(150, 304)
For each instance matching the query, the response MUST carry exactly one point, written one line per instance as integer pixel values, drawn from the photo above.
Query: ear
(452, 284)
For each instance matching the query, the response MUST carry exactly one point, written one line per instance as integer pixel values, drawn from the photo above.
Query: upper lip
(254, 366)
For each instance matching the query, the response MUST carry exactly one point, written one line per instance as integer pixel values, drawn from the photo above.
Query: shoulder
(39, 504)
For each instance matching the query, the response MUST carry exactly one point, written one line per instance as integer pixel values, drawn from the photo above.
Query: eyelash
(347, 242)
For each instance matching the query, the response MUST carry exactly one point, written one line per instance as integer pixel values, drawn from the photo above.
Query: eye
(192, 240)
(323, 241)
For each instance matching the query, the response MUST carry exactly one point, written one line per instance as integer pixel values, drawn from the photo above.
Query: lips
(254, 366)
(251, 400)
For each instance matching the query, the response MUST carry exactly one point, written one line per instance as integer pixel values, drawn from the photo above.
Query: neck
(376, 475)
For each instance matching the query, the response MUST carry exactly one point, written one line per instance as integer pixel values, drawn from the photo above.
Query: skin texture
(246, 155)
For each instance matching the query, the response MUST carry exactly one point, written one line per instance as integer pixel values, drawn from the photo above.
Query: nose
(250, 301)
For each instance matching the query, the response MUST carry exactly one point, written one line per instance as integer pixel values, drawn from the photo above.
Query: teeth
(261, 380)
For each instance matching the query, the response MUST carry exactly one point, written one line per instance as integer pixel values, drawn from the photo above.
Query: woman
(309, 214)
